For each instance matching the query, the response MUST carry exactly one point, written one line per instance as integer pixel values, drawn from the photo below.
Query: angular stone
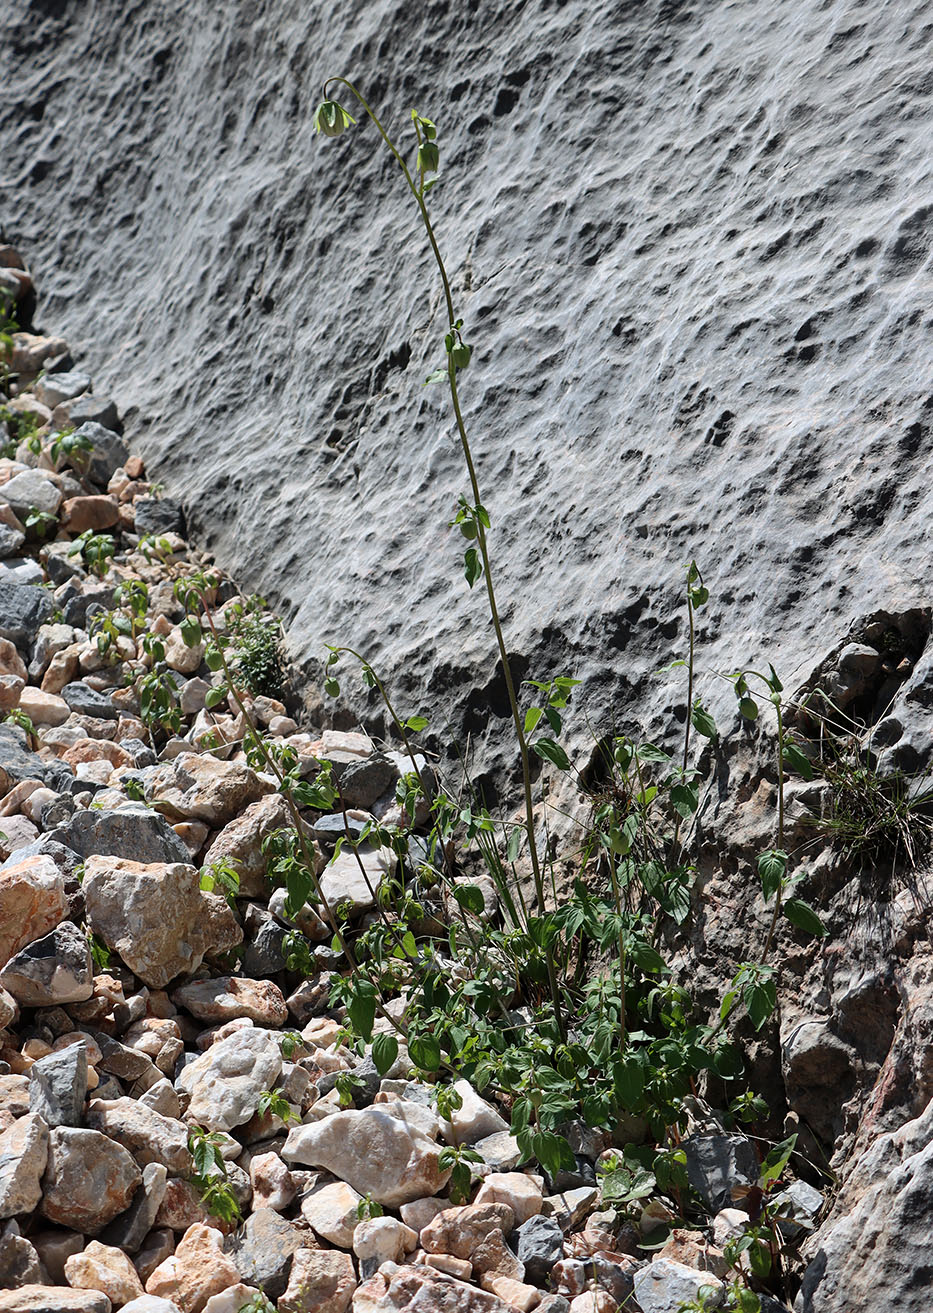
(129, 1230)
(354, 877)
(202, 788)
(88, 1180)
(86, 409)
(571, 1206)
(362, 782)
(152, 1304)
(55, 388)
(96, 513)
(86, 701)
(460, 1231)
(407, 1289)
(715, 1163)
(516, 1189)
(474, 1120)
(262, 1250)
(19, 1262)
(135, 834)
(225, 1082)
(198, 1269)
(143, 1132)
(374, 1152)
(101, 1267)
(664, 1286)
(159, 1246)
(156, 916)
(54, 969)
(17, 762)
(226, 997)
(378, 1240)
(24, 1149)
(53, 1299)
(540, 1245)
(331, 1210)
(272, 1182)
(321, 1281)
(499, 1151)
(108, 451)
(235, 1299)
(32, 902)
(159, 515)
(240, 842)
(58, 1086)
(27, 491)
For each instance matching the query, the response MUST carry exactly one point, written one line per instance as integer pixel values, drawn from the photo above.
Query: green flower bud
(331, 118)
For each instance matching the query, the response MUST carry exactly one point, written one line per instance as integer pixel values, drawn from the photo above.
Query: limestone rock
(88, 1179)
(373, 1152)
(24, 1148)
(58, 1086)
(198, 1269)
(272, 1182)
(460, 1231)
(516, 1189)
(225, 997)
(156, 916)
(332, 1212)
(53, 1299)
(240, 842)
(19, 1261)
(101, 1267)
(145, 1133)
(354, 877)
(203, 788)
(664, 1285)
(321, 1281)
(129, 1230)
(54, 969)
(262, 1250)
(225, 1082)
(408, 1289)
(32, 902)
(474, 1120)
(134, 834)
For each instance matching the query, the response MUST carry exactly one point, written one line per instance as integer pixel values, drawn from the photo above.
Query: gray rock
(22, 764)
(54, 969)
(328, 829)
(93, 598)
(141, 752)
(134, 833)
(87, 701)
(539, 1245)
(54, 1299)
(499, 1151)
(129, 1230)
(19, 1262)
(159, 515)
(362, 782)
(88, 410)
(56, 388)
(31, 491)
(11, 540)
(88, 1180)
(715, 1163)
(264, 936)
(21, 570)
(23, 608)
(664, 1286)
(24, 1149)
(262, 1250)
(310, 999)
(58, 1086)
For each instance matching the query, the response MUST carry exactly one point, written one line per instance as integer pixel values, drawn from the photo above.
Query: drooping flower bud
(331, 118)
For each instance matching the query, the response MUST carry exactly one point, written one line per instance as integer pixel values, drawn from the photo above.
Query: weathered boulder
(225, 1082)
(408, 1289)
(156, 916)
(88, 1179)
(135, 834)
(145, 1133)
(32, 902)
(54, 969)
(101, 1267)
(225, 997)
(53, 1299)
(198, 1269)
(58, 1086)
(203, 788)
(372, 1151)
(321, 1281)
(24, 1149)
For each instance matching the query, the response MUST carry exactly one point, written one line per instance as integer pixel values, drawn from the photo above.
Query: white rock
(664, 1285)
(331, 1212)
(516, 1189)
(225, 1082)
(384, 1239)
(475, 1120)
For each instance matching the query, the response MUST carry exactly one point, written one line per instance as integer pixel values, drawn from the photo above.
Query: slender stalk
(418, 194)
(780, 826)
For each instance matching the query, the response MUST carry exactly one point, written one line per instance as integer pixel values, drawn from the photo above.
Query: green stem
(780, 827)
(418, 194)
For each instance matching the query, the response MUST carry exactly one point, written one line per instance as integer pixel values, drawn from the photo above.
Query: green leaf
(473, 566)
(647, 957)
(760, 999)
(776, 1161)
(385, 1052)
(796, 759)
(749, 708)
(215, 696)
(416, 723)
(648, 752)
(190, 631)
(771, 868)
(425, 1052)
(553, 1152)
(213, 658)
(802, 915)
(703, 722)
(436, 376)
(552, 752)
(428, 157)
(362, 1009)
(409, 944)
(685, 799)
(469, 897)
(532, 716)
(628, 1080)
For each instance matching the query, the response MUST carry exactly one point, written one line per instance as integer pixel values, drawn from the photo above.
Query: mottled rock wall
(692, 245)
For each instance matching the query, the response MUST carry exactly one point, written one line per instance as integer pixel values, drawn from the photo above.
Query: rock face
(731, 201)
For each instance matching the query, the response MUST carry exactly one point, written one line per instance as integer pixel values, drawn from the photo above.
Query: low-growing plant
(273, 1103)
(210, 1174)
(95, 549)
(223, 877)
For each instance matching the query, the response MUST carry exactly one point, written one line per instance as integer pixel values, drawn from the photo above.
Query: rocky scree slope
(146, 1019)
(182, 1127)
(692, 245)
